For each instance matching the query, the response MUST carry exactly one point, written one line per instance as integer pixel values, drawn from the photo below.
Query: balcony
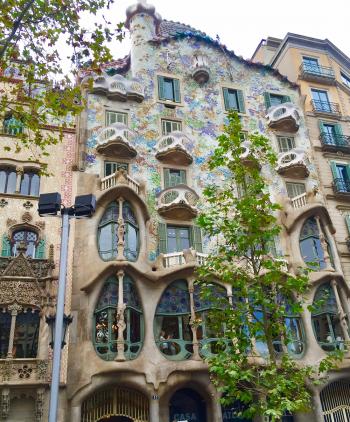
(317, 73)
(178, 202)
(335, 142)
(293, 164)
(284, 117)
(121, 178)
(187, 256)
(325, 108)
(116, 140)
(172, 149)
(341, 188)
(200, 68)
(117, 87)
(24, 371)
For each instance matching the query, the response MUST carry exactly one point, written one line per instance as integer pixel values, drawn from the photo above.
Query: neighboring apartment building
(135, 352)
(28, 264)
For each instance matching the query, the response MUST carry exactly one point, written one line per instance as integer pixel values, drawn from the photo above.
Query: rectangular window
(177, 238)
(272, 100)
(341, 177)
(285, 143)
(234, 100)
(169, 126)
(345, 79)
(111, 167)
(169, 89)
(321, 100)
(295, 189)
(311, 65)
(116, 117)
(174, 177)
(332, 134)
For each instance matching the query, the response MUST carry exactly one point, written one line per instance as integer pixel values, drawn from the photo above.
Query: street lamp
(51, 322)
(50, 204)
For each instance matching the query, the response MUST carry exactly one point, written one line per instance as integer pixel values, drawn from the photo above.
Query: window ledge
(19, 196)
(170, 103)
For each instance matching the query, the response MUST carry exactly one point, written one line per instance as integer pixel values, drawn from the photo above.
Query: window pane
(34, 185)
(25, 344)
(232, 99)
(184, 238)
(285, 143)
(29, 238)
(116, 117)
(111, 167)
(276, 99)
(107, 241)
(25, 184)
(168, 89)
(131, 242)
(5, 326)
(345, 79)
(169, 126)
(171, 231)
(295, 189)
(11, 182)
(3, 180)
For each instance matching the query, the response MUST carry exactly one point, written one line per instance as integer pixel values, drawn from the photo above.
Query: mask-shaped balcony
(172, 149)
(284, 117)
(116, 140)
(293, 164)
(178, 202)
(247, 157)
(117, 87)
(200, 68)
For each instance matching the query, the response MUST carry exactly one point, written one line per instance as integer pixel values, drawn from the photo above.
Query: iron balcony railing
(325, 107)
(335, 140)
(341, 186)
(316, 71)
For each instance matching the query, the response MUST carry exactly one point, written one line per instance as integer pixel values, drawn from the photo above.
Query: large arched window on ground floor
(187, 405)
(118, 324)
(329, 321)
(335, 401)
(114, 404)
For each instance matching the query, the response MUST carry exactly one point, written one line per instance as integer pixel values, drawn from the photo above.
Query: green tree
(31, 34)
(243, 219)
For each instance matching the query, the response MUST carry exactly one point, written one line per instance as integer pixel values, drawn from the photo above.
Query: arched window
(335, 401)
(30, 183)
(107, 315)
(12, 126)
(108, 232)
(27, 238)
(187, 405)
(325, 319)
(26, 333)
(311, 246)
(210, 338)
(171, 325)
(8, 179)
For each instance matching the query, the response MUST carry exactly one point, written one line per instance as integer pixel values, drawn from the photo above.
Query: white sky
(242, 24)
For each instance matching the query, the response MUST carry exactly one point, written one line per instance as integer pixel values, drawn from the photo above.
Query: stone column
(76, 413)
(14, 308)
(19, 174)
(4, 404)
(154, 408)
(317, 405)
(121, 231)
(341, 313)
(120, 318)
(44, 335)
(324, 245)
(193, 322)
(39, 404)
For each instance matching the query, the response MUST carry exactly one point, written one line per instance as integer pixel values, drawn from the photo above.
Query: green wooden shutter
(161, 87)
(6, 246)
(320, 126)
(40, 250)
(267, 100)
(176, 85)
(167, 182)
(338, 130)
(334, 169)
(162, 238)
(183, 177)
(347, 221)
(286, 99)
(240, 100)
(226, 98)
(196, 238)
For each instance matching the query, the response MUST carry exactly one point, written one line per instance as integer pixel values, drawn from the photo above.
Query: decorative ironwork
(335, 141)
(341, 186)
(335, 401)
(325, 107)
(315, 72)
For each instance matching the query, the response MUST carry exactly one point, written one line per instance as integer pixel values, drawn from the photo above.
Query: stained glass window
(108, 233)
(325, 319)
(106, 328)
(26, 237)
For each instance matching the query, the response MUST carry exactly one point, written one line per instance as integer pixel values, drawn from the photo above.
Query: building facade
(135, 353)
(30, 247)
(323, 74)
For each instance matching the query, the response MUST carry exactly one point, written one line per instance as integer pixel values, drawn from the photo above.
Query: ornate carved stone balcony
(293, 163)
(24, 371)
(283, 117)
(174, 259)
(247, 157)
(317, 73)
(172, 149)
(117, 87)
(178, 202)
(200, 68)
(116, 140)
(120, 178)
